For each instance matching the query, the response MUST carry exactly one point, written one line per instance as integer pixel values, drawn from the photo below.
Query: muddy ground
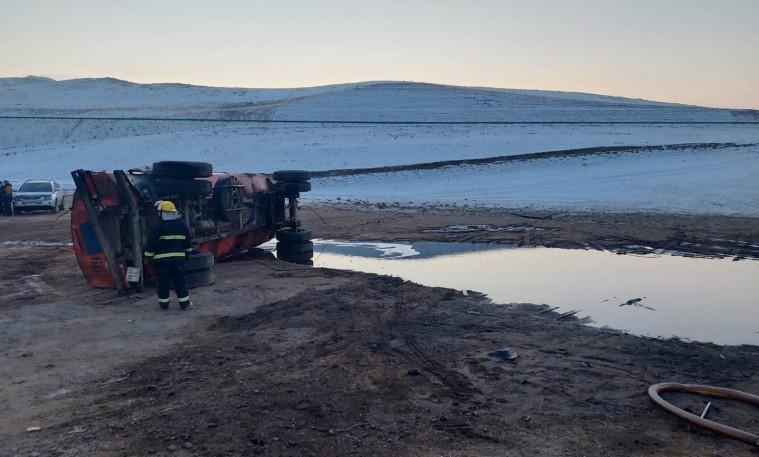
(282, 359)
(702, 236)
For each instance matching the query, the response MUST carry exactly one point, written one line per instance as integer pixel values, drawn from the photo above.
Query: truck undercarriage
(227, 213)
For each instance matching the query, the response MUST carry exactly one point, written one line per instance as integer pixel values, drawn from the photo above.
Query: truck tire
(182, 187)
(199, 261)
(200, 278)
(182, 169)
(291, 175)
(291, 188)
(199, 270)
(300, 259)
(288, 235)
(295, 248)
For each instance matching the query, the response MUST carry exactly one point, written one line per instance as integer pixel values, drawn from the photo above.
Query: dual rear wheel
(293, 243)
(295, 246)
(178, 179)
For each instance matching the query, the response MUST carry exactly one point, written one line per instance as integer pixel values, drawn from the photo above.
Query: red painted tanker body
(226, 213)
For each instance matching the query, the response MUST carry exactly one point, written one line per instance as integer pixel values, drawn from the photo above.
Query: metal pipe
(733, 433)
(706, 410)
(293, 208)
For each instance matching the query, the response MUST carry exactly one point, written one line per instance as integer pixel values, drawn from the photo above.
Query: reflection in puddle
(357, 248)
(701, 299)
(418, 250)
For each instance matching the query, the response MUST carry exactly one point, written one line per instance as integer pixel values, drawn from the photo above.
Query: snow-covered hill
(428, 102)
(51, 148)
(368, 101)
(111, 97)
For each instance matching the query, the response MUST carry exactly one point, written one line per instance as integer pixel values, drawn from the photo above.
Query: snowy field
(117, 144)
(713, 181)
(722, 182)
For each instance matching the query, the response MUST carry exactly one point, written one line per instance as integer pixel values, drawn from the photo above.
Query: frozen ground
(724, 181)
(37, 148)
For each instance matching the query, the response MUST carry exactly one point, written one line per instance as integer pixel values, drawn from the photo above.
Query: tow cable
(701, 421)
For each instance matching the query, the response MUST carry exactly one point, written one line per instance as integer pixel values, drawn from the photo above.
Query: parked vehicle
(38, 195)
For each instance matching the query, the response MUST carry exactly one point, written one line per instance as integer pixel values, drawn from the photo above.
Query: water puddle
(656, 295)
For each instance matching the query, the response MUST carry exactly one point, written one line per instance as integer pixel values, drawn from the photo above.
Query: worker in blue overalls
(168, 248)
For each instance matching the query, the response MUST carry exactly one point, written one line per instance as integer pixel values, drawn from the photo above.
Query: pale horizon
(694, 52)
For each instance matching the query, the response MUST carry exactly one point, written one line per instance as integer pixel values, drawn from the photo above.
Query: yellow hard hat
(167, 206)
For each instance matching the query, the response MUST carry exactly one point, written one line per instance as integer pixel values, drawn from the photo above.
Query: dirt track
(280, 359)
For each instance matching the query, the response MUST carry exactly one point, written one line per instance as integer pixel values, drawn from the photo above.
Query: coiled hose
(711, 391)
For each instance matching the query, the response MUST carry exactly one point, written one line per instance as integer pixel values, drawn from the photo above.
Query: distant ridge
(371, 101)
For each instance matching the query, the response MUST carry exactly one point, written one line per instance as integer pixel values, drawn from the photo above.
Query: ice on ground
(387, 250)
(722, 182)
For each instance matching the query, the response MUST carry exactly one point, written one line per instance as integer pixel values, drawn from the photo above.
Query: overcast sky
(692, 51)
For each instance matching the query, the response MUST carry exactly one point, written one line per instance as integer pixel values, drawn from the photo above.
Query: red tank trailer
(227, 213)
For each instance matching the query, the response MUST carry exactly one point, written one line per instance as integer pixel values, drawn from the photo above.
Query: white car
(38, 194)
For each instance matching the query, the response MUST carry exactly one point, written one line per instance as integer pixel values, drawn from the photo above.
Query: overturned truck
(227, 213)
